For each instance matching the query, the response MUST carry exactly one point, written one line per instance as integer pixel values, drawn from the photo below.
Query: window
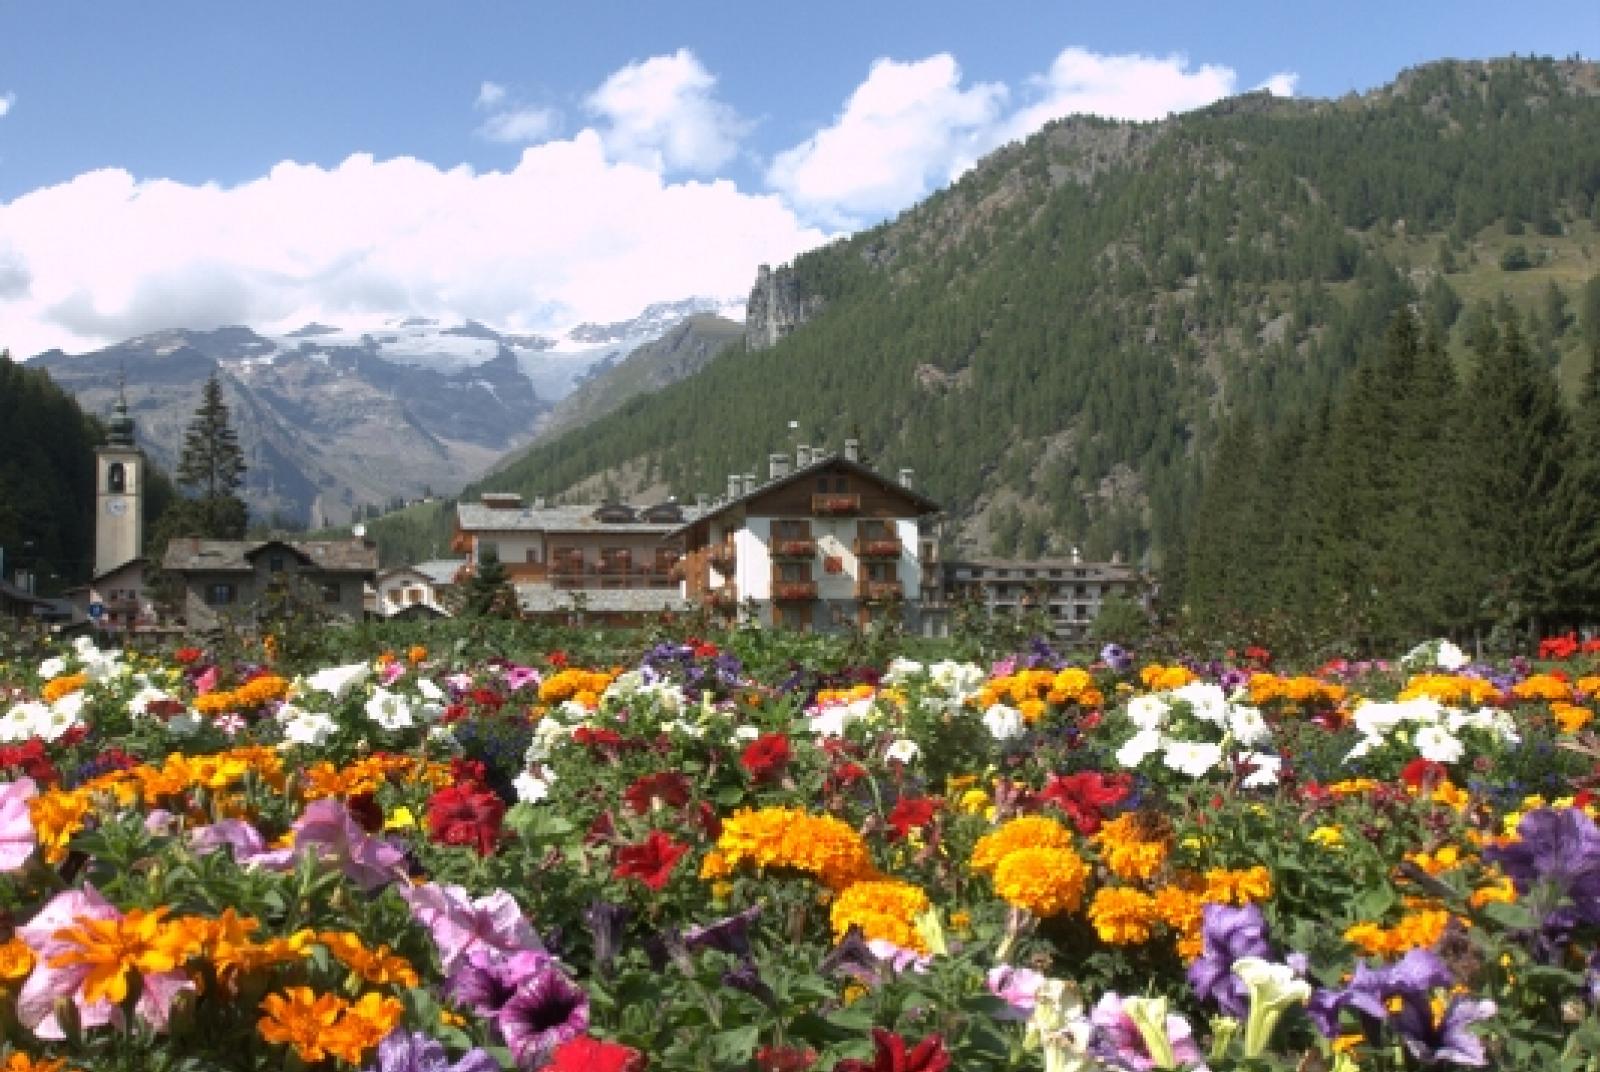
(794, 572)
(881, 571)
(219, 595)
(275, 563)
(533, 555)
(822, 485)
(116, 478)
(331, 592)
(840, 484)
(413, 595)
(790, 529)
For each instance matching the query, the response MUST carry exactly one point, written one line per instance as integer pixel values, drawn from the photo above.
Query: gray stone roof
(544, 599)
(191, 555)
(475, 517)
(440, 570)
(923, 504)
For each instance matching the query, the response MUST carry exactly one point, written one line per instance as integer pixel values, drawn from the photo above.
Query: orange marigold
(1127, 850)
(1045, 881)
(1027, 832)
(1238, 887)
(1123, 915)
(65, 685)
(884, 908)
(301, 1018)
(790, 838)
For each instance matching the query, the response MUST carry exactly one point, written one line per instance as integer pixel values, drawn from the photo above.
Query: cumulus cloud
(522, 126)
(662, 113)
(907, 128)
(490, 94)
(1281, 84)
(6, 101)
(567, 234)
(911, 127)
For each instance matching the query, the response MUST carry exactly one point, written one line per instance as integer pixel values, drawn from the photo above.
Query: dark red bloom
(708, 819)
(602, 829)
(1084, 796)
(557, 659)
(364, 809)
(705, 650)
(767, 756)
(487, 698)
(929, 1055)
(1423, 773)
(29, 757)
(466, 815)
(846, 774)
(651, 861)
(188, 656)
(911, 813)
(1560, 647)
(454, 713)
(76, 735)
(670, 788)
(785, 1059)
(596, 738)
(468, 772)
(585, 1054)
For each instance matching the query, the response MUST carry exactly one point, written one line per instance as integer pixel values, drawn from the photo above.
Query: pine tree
(211, 469)
(1577, 528)
(489, 593)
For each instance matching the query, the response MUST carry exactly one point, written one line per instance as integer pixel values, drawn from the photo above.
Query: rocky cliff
(778, 304)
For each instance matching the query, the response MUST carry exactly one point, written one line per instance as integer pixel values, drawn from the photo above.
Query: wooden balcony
(794, 591)
(724, 597)
(723, 557)
(837, 504)
(879, 591)
(878, 548)
(794, 548)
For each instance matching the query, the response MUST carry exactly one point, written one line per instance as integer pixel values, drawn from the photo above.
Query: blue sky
(201, 163)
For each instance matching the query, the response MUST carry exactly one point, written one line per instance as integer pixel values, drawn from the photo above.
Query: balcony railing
(601, 577)
(794, 548)
(794, 591)
(836, 504)
(879, 591)
(723, 557)
(724, 596)
(877, 548)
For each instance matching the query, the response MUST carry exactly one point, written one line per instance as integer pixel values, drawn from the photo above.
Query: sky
(537, 164)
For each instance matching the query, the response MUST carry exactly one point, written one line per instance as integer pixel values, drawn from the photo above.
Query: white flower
(746, 733)
(1194, 758)
(21, 722)
(1004, 722)
(533, 787)
(69, 707)
(1207, 701)
(900, 670)
(1363, 746)
(666, 694)
(389, 710)
(624, 685)
(1148, 712)
(1266, 770)
(338, 680)
(1247, 725)
(185, 724)
(958, 679)
(1435, 743)
(547, 733)
(430, 692)
(139, 703)
(1136, 749)
(1440, 653)
(902, 751)
(305, 727)
(54, 666)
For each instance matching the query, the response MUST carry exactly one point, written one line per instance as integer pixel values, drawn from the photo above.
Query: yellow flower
(1165, 678)
(16, 960)
(65, 685)
(301, 1018)
(21, 1062)
(1028, 832)
(882, 909)
(1128, 849)
(1329, 837)
(790, 838)
(1416, 930)
(416, 653)
(1238, 887)
(973, 802)
(1045, 881)
(1570, 717)
(57, 815)
(374, 965)
(139, 943)
(364, 1024)
(1123, 915)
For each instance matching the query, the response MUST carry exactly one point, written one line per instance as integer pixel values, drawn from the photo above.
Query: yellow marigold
(1045, 881)
(1267, 688)
(21, 1062)
(1416, 930)
(1589, 684)
(1027, 832)
(1238, 887)
(1570, 717)
(790, 838)
(416, 653)
(1329, 837)
(1542, 687)
(884, 908)
(1351, 787)
(57, 815)
(1123, 915)
(1451, 796)
(374, 965)
(1502, 890)
(139, 943)
(65, 685)
(16, 960)
(973, 802)
(1127, 850)
(1445, 858)
(1165, 678)
(715, 866)
(1449, 689)
(1032, 710)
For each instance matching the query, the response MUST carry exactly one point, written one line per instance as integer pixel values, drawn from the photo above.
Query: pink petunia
(17, 839)
(328, 829)
(492, 925)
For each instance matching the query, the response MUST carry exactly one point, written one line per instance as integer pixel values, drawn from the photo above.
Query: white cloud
(490, 94)
(6, 101)
(661, 113)
(1119, 87)
(522, 126)
(907, 128)
(564, 235)
(1281, 84)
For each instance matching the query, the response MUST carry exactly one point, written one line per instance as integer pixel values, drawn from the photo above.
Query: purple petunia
(401, 1051)
(327, 828)
(485, 983)
(546, 1011)
(1228, 933)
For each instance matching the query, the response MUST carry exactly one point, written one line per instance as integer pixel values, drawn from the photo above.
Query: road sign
(97, 611)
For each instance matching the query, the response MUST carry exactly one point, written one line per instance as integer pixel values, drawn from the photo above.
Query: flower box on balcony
(879, 591)
(791, 591)
(836, 504)
(878, 548)
(794, 548)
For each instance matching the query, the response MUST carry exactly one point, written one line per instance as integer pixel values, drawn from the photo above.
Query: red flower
(1423, 773)
(29, 757)
(912, 813)
(668, 787)
(708, 819)
(585, 1054)
(705, 650)
(487, 698)
(766, 756)
(929, 1055)
(454, 713)
(364, 809)
(466, 815)
(467, 772)
(1084, 796)
(188, 656)
(651, 861)
(846, 774)
(558, 659)
(597, 738)
(602, 829)
(784, 1059)
(1561, 647)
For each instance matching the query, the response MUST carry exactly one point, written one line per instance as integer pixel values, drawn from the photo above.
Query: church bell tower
(119, 493)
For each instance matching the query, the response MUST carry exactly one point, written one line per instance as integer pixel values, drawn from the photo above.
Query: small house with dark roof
(229, 578)
(823, 543)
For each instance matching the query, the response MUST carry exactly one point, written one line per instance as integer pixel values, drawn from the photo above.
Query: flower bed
(419, 861)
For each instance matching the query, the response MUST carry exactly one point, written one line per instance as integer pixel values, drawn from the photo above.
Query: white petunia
(900, 670)
(1004, 722)
(305, 727)
(746, 733)
(958, 679)
(547, 734)
(533, 787)
(1267, 767)
(1436, 744)
(1247, 725)
(54, 666)
(1194, 758)
(1148, 712)
(1363, 746)
(1208, 702)
(338, 680)
(430, 692)
(139, 703)
(22, 721)
(389, 710)
(902, 751)
(1136, 749)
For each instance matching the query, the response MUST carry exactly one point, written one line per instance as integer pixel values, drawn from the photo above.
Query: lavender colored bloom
(1448, 1038)
(416, 1052)
(461, 925)
(853, 957)
(236, 834)
(1227, 934)
(747, 978)
(1413, 978)
(1119, 1041)
(730, 935)
(546, 1011)
(1233, 678)
(1117, 658)
(1558, 849)
(485, 984)
(329, 830)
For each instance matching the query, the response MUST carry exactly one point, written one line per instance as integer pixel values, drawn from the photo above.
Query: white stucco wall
(910, 570)
(752, 546)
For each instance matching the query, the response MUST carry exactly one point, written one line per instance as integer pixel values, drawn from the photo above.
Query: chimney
(852, 450)
(502, 500)
(702, 500)
(538, 502)
(733, 486)
(1077, 557)
(905, 477)
(778, 465)
(749, 483)
(802, 456)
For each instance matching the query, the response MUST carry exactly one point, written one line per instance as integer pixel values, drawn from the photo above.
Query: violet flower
(1116, 657)
(329, 829)
(1018, 988)
(546, 1011)
(730, 935)
(460, 925)
(1413, 977)
(416, 1052)
(17, 839)
(1447, 1038)
(747, 978)
(485, 983)
(1124, 1042)
(854, 958)
(243, 839)
(1227, 934)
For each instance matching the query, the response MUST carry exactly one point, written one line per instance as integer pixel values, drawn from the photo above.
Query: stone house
(222, 579)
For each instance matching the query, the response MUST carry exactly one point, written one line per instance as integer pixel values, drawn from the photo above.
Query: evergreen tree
(211, 469)
(1577, 527)
(489, 593)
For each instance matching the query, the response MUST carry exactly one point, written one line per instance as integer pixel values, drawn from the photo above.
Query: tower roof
(120, 429)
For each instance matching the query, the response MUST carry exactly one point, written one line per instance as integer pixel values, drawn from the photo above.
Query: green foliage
(211, 472)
